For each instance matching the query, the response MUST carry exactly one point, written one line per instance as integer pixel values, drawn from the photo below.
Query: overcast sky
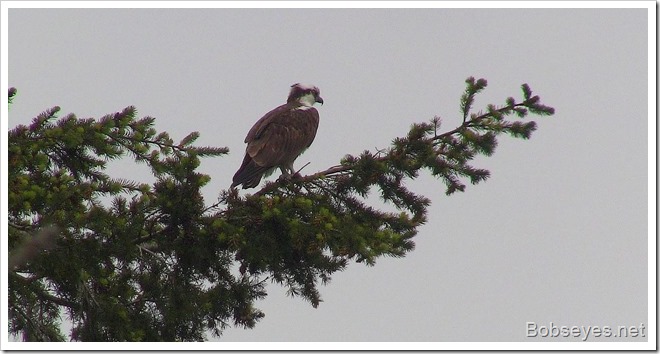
(558, 234)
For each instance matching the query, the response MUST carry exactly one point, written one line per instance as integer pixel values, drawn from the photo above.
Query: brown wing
(264, 121)
(285, 137)
(276, 140)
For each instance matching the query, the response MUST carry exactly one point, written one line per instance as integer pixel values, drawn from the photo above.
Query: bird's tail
(249, 174)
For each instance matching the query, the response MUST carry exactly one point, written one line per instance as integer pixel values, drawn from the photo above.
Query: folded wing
(275, 141)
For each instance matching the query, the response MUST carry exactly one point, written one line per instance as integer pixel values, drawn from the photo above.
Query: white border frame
(544, 345)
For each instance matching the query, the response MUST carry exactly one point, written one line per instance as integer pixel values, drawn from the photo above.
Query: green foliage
(145, 266)
(467, 99)
(12, 93)
(128, 261)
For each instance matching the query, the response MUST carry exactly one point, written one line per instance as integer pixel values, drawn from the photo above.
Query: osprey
(280, 136)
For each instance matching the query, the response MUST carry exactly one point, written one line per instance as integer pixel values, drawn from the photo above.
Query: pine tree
(159, 264)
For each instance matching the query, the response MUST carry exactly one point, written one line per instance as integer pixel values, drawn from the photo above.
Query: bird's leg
(293, 173)
(286, 174)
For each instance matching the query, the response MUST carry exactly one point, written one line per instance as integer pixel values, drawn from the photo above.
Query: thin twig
(305, 165)
(156, 255)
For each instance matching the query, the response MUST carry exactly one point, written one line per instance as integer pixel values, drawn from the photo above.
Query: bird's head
(306, 95)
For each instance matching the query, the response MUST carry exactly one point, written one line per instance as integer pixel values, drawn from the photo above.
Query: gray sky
(557, 234)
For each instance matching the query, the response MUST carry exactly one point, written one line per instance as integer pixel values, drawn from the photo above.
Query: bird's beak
(319, 99)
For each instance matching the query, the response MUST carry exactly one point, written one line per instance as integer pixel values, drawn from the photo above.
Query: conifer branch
(44, 296)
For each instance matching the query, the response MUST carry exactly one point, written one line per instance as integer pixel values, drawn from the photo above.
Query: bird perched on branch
(279, 137)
